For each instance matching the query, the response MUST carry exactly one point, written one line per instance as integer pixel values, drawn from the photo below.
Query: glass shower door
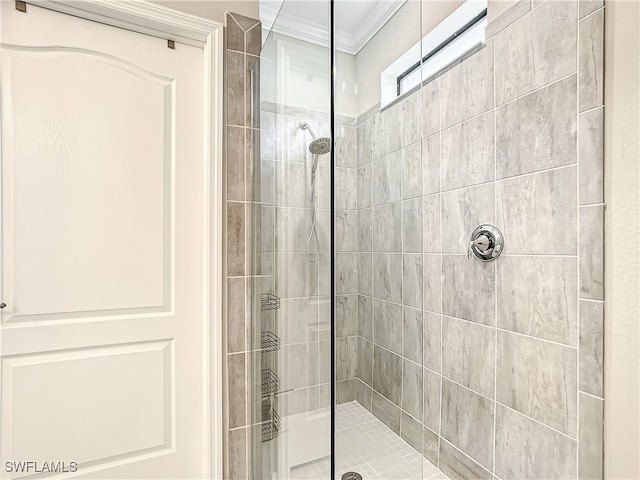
(291, 307)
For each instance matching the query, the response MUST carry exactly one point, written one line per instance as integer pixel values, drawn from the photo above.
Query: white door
(101, 339)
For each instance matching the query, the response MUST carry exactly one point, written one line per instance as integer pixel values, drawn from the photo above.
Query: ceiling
(356, 21)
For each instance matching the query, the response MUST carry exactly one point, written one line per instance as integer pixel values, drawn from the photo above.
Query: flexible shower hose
(313, 234)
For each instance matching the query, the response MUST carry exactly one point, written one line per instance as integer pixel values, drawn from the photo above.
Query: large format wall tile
(387, 374)
(365, 230)
(432, 344)
(412, 225)
(365, 361)
(292, 185)
(411, 431)
(302, 278)
(537, 296)
(592, 252)
(468, 354)
(346, 357)
(432, 392)
(365, 317)
(507, 156)
(412, 171)
(590, 440)
(387, 276)
(586, 7)
(532, 206)
(430, 441)
(431, 224)
(467, 422)
(237, 389)
(236, 319)
(462, 211)
(346, 391)
(591, 156)
(411, 112)
(237, 450)
(412, 334)
(292, 227)
(432, 282)
(412, 279)
(467, 89)
(412, 389)
(235, 238)
(236, 169)
(364, 394)
(235, 88)
(387, 228)
(591, 61)
(305, 357)
(290, 328)
(525, 449)
(538, 49)
(456, 464)
(387, 325)
(346, 229)
(387, 179)
(364, 186)
(346, 315)
(345, 188)
(365, 274)
(537, 131)
(468, 289)
(345, 144)
(431, 164)
(364, 143)
(467, 153)
(430, 108)
(539, 379)
(387, 412)
(592, 347)
(513, 13)
(387, 131)
(346, 270)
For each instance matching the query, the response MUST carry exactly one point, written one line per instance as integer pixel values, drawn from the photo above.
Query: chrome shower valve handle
(486, 243)
(482, 243)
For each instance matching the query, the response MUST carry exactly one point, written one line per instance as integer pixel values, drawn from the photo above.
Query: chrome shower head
(320, 146)
(306, 126)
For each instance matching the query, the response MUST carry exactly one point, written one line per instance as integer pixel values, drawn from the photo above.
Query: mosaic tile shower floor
(366, 446)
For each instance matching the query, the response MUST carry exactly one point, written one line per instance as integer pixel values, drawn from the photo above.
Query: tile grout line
(591, 395)
(578, 209)
(504, 405)
(440, 260)
(537, 89)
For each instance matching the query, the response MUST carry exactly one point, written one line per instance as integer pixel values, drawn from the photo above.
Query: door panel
(81, 149)
(102, 244)
(132, 383)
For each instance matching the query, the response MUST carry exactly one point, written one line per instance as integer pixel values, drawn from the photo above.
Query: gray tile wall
(510, 352)
(303, 322)
(242, 47)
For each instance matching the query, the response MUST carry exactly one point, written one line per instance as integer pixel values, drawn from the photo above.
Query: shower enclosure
(426, 255)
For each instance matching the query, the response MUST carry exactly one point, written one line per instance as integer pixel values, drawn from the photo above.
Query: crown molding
(347, 42)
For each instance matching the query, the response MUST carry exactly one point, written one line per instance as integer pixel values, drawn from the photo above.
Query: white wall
(400, 33)
(622, 234)
(213, 9)
(347, 86)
